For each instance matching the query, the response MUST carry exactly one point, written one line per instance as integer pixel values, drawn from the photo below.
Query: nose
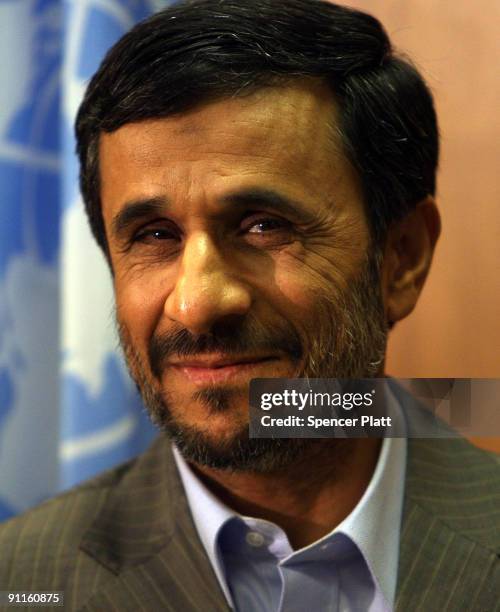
(206, 289)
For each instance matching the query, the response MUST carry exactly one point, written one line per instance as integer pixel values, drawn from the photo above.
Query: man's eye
(155, 234)
(267, 224)
(268, 232)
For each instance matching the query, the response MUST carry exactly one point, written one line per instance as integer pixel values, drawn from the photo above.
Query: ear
(407, 258)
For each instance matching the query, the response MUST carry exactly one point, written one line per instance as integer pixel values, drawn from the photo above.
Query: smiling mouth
(218, 370)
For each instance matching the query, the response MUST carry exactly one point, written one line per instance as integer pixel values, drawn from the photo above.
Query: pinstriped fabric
(37, 550)
(110, 544)
(41, 543)
(450, 540)
(177, 578)
(126, 540)
(157, 544)
(88, 577)
(468, 500)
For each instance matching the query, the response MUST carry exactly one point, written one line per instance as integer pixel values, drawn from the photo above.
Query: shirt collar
(209, 515)
(370, 526)
(374, 524)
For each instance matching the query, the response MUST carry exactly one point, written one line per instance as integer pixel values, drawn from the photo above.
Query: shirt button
(255, 538)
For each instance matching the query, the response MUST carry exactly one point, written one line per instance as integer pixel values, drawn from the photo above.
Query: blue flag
(67, 406)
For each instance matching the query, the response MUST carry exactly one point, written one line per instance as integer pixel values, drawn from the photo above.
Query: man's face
(239, 245)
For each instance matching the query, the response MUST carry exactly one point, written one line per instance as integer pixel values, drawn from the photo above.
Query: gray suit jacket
(125, 541)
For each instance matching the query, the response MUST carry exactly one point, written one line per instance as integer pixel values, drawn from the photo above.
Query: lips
(218, 369)
(218, 362)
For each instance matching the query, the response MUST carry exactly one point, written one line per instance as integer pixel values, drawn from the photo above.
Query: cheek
(304, 276)
(139, 306)
(293, 294)
(309, 286)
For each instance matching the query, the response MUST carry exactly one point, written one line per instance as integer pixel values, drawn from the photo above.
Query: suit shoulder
(456, 452)
(53, 529)
(458, 482)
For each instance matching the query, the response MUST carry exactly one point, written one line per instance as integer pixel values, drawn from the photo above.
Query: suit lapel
(176, 578)
(448, 557)
(146, 539)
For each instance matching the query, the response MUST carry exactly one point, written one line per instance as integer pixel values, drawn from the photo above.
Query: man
(260, 175)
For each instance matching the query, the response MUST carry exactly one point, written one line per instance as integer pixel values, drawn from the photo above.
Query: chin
(235, 451)
(219, 430)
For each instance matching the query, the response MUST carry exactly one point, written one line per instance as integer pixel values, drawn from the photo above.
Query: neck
(310, 497)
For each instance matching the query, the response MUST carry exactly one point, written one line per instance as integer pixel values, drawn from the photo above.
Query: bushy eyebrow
(258, 196)
(136, 210)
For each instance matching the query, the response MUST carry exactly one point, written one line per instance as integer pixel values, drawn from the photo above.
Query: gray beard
(350, 343)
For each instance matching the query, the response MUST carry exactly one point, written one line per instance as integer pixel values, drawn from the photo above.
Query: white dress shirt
(353, 568)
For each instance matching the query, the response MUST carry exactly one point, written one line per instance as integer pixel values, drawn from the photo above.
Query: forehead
(275, 135)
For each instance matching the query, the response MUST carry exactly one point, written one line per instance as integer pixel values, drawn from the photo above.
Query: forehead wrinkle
(123, 144)
(270, 143)
(204, 128)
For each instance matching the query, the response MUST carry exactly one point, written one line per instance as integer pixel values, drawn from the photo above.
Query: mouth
(220, 369)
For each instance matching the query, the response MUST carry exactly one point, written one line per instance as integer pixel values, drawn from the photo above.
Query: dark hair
(201, 50)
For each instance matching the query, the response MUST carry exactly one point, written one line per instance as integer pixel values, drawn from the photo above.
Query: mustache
(244, 337)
